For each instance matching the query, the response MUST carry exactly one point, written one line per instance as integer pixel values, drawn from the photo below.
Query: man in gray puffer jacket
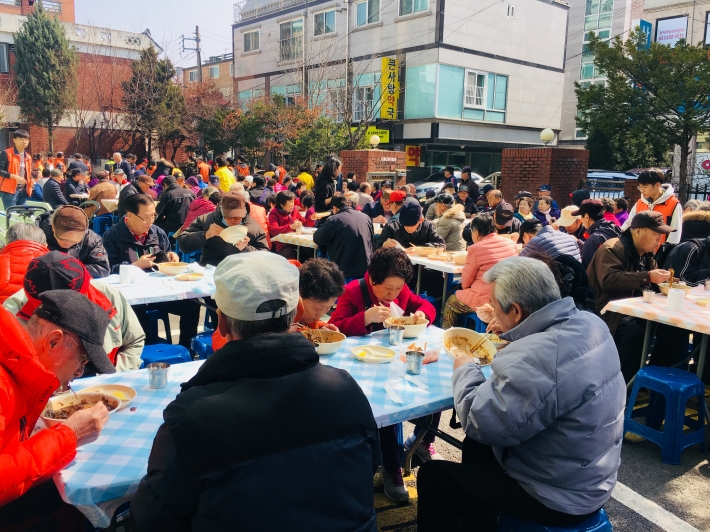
(544, 432)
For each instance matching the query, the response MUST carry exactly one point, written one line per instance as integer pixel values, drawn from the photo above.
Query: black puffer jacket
(173, 208)
(425, 235)
(596, 235)
(216, 249)
(691, 258)
(90, 251)
(575, 283)
(123, 248)
(256, 440)
(347, 238)
(129, 190)
(324, 189)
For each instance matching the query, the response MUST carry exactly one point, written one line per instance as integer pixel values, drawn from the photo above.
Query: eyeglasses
(151, 219)
(83, 356)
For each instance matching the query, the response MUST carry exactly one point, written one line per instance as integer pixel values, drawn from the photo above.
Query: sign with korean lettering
(384, 134)
(414, 153)
(670, 30)
(390, 89)
(647, 28)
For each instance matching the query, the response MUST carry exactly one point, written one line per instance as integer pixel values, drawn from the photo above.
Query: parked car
(436, 182)
(609, 174)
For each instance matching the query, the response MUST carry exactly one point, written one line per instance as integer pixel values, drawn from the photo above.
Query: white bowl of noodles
(458, 341)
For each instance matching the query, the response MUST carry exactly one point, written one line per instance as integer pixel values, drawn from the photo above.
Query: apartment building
(105, 57)
(219, 68)
(664, 21)
(473, 79)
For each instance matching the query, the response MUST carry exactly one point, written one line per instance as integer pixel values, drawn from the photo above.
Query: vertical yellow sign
(390, 89)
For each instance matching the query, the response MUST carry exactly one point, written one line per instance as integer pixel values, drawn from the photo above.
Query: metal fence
(699, 192)
(605, 188)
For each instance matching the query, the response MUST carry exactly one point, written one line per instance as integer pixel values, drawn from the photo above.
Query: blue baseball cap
(545, 188)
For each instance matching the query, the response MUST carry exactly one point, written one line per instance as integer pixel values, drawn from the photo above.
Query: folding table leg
(701, 366)
(646, 347)
(443, 294)
(410, 453)
(419, 279)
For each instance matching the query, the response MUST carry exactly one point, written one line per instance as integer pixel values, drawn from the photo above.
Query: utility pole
(196, 49)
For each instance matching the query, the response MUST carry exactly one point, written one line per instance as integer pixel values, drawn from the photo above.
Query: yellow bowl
(473, 338)
(460, 258)
(424, 251)
(68, 399)
(172, 268)
(664, 287)
(332, 340)
(411, 329)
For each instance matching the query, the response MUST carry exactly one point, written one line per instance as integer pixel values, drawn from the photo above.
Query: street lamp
(547, 136)
(374, 141)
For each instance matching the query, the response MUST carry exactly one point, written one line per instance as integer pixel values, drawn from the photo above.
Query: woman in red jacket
(362, 309)
(283, 218)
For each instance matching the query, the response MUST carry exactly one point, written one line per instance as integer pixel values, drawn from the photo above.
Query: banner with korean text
(390, 89)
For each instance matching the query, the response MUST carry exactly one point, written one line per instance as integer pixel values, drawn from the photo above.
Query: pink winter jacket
(482, 256)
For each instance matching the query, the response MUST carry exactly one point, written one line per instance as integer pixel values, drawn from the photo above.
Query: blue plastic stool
(191, 257)
(101, 224)
(478, 325)
(599, 522)
(676, 386)
(157, 316)
(201, 345)
(209, 324)
(172, 354)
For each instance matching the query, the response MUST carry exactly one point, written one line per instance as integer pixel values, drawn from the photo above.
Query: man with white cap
(278, 426)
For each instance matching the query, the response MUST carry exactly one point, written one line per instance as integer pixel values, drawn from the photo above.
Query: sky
(167, 21)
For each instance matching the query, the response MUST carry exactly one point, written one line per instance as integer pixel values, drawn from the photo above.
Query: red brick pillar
(529, 168)
(631, 191)
(363, 161)
(25, 8)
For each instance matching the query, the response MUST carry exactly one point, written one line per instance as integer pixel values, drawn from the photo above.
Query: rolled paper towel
(675, 299)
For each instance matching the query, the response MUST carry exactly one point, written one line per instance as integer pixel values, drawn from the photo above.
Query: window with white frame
(324, 23)
(367, 12)
(363, 101)
(251, 41)
(291, 42)
(335, 104)
(214, 72)
(475, 93)
(193, 75)
(409, 7)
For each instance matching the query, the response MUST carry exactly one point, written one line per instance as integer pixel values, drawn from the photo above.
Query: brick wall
(67, 14)
(363, 161)
(528, 168)
(65, 141)
(631, 191)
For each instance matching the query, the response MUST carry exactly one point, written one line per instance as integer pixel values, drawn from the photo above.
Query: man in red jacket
(64, 334)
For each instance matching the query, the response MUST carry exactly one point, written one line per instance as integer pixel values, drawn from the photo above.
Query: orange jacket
(667, 208)
(13, 167)
(26, 385)
(14, 259)
(204, 170)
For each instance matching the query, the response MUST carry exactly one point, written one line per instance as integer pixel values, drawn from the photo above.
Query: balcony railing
(248, 9)
(10, 2)
(291, 49)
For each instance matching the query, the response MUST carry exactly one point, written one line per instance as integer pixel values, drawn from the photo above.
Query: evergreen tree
(46, 67)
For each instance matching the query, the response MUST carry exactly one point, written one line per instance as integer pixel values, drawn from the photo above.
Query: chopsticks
(480, 342)
(670, 281)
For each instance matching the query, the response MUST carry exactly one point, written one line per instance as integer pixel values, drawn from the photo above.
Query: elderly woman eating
(362, 309)
(544, 432)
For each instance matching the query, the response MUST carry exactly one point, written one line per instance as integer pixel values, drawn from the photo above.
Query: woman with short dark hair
(363, 308)
(325, 184)
(284, 218)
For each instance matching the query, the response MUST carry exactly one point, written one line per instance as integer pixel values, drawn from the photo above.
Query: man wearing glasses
(63, 335)
(136, 240)
(660, 197)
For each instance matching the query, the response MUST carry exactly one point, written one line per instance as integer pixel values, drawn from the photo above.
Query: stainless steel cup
(158, 375)
(414, 362)
(396, 334)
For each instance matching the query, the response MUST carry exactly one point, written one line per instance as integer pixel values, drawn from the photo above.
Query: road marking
(650, 510)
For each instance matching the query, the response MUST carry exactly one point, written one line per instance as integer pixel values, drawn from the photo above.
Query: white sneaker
(394, 486)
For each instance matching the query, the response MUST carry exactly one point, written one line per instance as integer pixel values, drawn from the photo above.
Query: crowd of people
(535, 273)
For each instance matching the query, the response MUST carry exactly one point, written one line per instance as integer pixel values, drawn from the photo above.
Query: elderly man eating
(544, 432)
(65, 333)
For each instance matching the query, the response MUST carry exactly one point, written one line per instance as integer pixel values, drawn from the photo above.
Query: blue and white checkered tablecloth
(106, 472)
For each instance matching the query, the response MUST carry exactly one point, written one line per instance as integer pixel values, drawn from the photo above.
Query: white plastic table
(110, 204)
(159, 287)
(304, 240)
(107, 472)
(447, 268)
